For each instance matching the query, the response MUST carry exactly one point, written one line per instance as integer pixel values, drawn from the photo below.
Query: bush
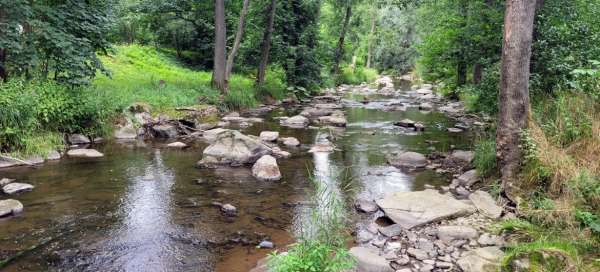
(566, 117)
(17, 114)
(357, 75)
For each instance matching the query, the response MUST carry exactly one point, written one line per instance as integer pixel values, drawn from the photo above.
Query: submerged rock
(368, 260)
(408, 160)
(266, 169)
(413, 209)
(407, 123)
(84, 153)
(10, 207)
(16, 187)
(233, 148)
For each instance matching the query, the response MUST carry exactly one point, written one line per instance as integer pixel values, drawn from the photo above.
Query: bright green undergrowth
(358, 75)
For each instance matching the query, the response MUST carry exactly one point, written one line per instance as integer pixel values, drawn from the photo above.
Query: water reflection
(141, 242)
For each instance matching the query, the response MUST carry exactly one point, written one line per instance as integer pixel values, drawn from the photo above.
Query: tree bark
(339, 52)
(238, 39)
(371, 37)
(477, 73)
(265, 47)
(218, 77)
(514, 90)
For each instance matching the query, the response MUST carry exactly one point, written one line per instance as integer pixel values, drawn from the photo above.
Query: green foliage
(483, 97)
(56, 38)
(545, 254)
(358, 75)
(395, 41)
(17, 115)
(485, 157)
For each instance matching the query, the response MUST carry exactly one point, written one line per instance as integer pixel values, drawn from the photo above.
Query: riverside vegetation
(66, 72)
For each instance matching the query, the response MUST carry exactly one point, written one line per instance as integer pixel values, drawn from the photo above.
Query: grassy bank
(34, 114)
(558, 225)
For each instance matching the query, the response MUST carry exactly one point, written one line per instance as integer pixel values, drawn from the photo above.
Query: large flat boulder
(413, 209)
(409, 159)
(368, 260)
(337, 121)
(233, 148)
(451, 233)
(211, 135)
(266, 169)
(10, 207)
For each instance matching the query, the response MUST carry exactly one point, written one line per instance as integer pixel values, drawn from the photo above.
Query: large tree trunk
(219, 80)
(514, 90)
(477, 73)
(238, 39)
(3, 72)
(265, 47)
(339, 52)
(371, 37)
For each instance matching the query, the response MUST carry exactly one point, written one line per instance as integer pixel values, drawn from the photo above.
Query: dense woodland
(72, 66)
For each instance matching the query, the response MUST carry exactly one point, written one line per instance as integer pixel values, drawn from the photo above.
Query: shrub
(357, 75)
(17, 114)
(566, 117)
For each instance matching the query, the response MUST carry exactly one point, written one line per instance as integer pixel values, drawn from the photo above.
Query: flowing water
(147, 208)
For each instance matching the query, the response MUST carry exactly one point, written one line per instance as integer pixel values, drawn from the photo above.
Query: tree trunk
(266, 44)
(477, 73)
(3, 72)
(461, 65)
(339, 52)
(218, 77)
(371, 37)
(514, 90)
(238, 39)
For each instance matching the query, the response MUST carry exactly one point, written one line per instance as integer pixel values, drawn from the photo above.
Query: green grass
(358, 75)
(145, 74)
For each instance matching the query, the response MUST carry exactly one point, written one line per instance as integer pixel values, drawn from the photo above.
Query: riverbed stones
(368, 260)
(413, 209)
(454, 130)
(408, 159)
(391, 230)
(407, 123)
(486, 204)
(17, 187)
(269, 136)
(229, 209)
(311, 112)
(450, 233)
(177, 145)
(165, 131)
(211, 134)
(84, 153)
(78, 139)
(485, 259)
(126, 133)
(233, 148)
(468, 178)
(336, 121)
(328, 106)
(53, 155)
(280, 154)
(266, 169)
(297, 121)
(10, 207)
(321, 148)
(4, 181)
(462, 156)
(365, 206)
(290, 141)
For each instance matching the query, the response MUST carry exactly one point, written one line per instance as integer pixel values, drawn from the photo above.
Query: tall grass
(357, 75)
(322, 244)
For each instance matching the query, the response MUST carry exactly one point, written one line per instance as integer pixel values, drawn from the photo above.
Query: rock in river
(10, 207)
(234, 148)
(229, 210)
(165, 131)
(405, 123)
(468, 178)
(125, 133)
(337, 121)
(84, 153)
(290, 141)
(266, 169)
(297, 121)
(77, 139)
(177, 145)
(368, 260)
(4, 181)
(462, 156)
(366, 206)
(16, 187)
(413, 209)
(269, 136)
(408, 160)
(451, 233)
